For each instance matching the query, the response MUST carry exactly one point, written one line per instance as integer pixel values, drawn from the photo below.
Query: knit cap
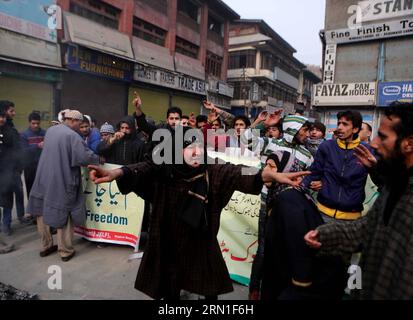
(107, 128)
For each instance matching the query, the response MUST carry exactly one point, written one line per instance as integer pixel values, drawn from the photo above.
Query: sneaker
(48, 251)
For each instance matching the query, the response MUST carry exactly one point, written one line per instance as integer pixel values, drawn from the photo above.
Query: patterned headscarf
(291, 125)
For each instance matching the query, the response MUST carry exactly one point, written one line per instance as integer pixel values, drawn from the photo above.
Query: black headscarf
(194, 208)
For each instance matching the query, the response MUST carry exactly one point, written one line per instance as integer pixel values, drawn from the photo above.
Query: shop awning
(92, 35)
(31, 64)
(24, 48)
(189, 66)
(152, 54)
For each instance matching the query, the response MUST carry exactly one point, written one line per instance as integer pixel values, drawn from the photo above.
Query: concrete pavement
(94, 273)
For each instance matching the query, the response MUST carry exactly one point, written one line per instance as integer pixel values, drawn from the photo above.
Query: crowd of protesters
(312, 191)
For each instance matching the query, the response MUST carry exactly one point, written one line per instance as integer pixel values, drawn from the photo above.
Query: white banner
(363, 93)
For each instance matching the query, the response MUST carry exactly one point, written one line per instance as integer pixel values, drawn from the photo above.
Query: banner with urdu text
(238, 233)
(110, 216)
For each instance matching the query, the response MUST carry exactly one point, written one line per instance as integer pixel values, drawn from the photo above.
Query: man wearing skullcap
(56, 198)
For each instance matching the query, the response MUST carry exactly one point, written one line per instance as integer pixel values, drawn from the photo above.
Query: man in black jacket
(124, 147)
(173, 118)
(10, 162)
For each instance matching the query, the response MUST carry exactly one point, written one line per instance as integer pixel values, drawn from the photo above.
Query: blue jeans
(6, 219)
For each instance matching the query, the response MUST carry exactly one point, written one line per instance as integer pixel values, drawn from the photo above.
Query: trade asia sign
(156, 76)
(345, 94)
(34, 18)
(98, 64)
(389, 92)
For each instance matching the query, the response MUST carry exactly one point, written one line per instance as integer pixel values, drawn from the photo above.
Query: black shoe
(65, 259)
(48, 251)
(25, 221)
(6, 249)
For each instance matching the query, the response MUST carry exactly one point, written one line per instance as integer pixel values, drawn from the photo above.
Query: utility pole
(244, 90)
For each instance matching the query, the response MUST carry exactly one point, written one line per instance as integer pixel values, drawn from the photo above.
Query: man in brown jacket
(182, 251)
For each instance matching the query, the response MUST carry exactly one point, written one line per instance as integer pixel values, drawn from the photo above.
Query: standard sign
(346, 94)
(396, 28)
(373, 10)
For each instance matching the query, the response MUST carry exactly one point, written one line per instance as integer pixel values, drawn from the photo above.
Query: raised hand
(192, 120)
(273, 119)
(270, 174)
(137, 102)
(365, 156)
(118, 135)
(98, 175)
(293, 178)
(212, 116)
(311, 238)
(262, 116)
(210, 106)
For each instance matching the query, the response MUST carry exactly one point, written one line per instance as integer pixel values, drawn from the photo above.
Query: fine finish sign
(395, 28)
(346, 94)
(330, 63)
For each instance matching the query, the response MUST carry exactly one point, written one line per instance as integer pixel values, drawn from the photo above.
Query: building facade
(30, 60)
(182, 51)
(262, 68)
(367, 58)
(172, 52)
(309, 76)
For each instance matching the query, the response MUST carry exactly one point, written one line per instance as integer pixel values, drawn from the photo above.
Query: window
(188, 8)
(213, 64)
(97, 11)
(242, 59)
(267, 61)
(148, 32)
(215, 26)
(186, 48)
(159, 5)
(241, 90)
